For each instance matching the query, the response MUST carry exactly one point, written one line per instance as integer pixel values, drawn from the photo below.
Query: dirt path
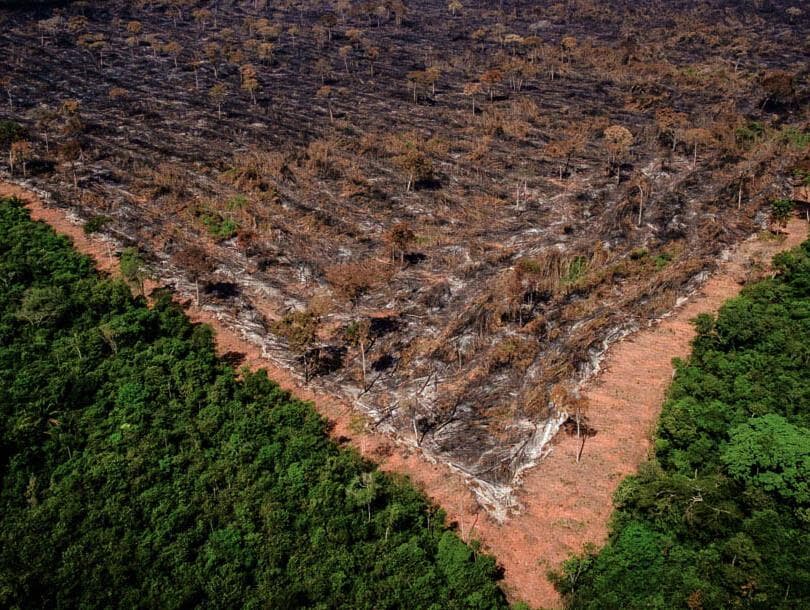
(567, 505)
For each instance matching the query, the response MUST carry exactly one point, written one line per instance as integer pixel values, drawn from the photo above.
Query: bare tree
(217, 95)
(697, 136)
(618, 141)
(325, 92)
(358, 333)
(345, 52)
(214, 52)
(399, 237)
(416, 78)
(174, 49)
(20, 152)
(372, 54)
(196, 263)
(250, 82)
(45, 118)
(432, 75)
(416, 165)
(490, 79)
(568, 45)
(472, 89)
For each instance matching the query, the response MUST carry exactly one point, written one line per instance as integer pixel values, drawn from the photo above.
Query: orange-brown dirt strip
(567, 504)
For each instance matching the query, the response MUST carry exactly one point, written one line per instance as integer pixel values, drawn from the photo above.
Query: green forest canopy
(720, 518)
(139, 471)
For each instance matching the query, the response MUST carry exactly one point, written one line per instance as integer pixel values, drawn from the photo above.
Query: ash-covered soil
(442, 213)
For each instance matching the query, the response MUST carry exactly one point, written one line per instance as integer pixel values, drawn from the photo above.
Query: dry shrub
(663, 301)
(491, 123)
(368, 143)
(525, 108)
(352, 280)
(194, 260)
(169, 180)
(117, 93)
(254, 169)
(319, 159)
(581, 308)
(516, 128)
(536, 327)
(515, 352)
(480, 148)
(350, 189)
(396, 144)
(545, 271)
(436, 146)
(536, 402)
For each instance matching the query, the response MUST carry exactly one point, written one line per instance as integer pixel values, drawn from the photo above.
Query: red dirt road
(567, 505)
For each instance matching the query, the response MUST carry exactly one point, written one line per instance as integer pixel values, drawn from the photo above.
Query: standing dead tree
(618, 141)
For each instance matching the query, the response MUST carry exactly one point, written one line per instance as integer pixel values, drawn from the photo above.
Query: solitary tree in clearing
(432, 75)
(174, 49)
(471, 90)
(454, 7)
(670, 124)
(94, 42)
(134, 27)
(351, 280)
(49, 26)
(695, 137)
(568, 44)
(779, 85)
(217, 95)
(133, 268)
(794, 12)
(195, 262)
(213, 51)
(781, 210)
(489, 79)
(325, 92)
(20, 152)
(358, 333)
(399, 237)
(201, 17)
(400, 10)
(323, 68)
(572, 143)
(415, 77)
(372, 54)
(45, 118)
(618, 141)
(416, 165)
(250, 82)
(345, 52)
(300, 328)
(329, 21)
(265, 52)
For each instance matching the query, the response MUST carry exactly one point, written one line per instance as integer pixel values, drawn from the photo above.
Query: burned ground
(436, 215)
